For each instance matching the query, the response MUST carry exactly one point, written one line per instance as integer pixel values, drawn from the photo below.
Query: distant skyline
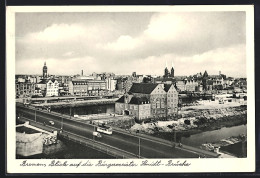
(126, 42)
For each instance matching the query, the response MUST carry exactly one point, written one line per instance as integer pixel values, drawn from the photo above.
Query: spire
(45, 63)
(172, 65)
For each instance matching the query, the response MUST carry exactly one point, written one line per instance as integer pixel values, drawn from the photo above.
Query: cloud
(58, 33)
(181, 33)
(124, 42)
(229, 60)
(195, 41)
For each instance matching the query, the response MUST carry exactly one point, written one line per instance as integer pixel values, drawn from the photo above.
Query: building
(87, 87)
(187, 85)
(42, 85)
(161, 98)
(136, 106)
(110, 84)
(96, 87)
(24, 89)
(52, 88)
(172, 99)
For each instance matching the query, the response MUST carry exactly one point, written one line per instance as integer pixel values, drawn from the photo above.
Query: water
(214, 136)
(86, 110)
(68, 150)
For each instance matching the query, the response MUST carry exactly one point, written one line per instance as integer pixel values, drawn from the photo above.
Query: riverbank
(197, 121)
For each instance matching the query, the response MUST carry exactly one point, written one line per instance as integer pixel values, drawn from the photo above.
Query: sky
(126, 42)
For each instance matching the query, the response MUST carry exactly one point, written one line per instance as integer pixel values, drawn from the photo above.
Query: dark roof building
(145, 88)
(43, 81)
(121, 99)
(167, 87)
(139, 100)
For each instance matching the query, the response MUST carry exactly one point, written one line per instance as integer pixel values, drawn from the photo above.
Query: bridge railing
(108, 149)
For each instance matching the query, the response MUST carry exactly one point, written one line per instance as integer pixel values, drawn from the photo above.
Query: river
(214, 135)
(86, 110)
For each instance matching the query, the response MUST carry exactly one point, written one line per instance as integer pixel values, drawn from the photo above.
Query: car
(51, 122)
(97, 134)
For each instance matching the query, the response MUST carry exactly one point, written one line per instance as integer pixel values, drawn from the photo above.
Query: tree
(187, 122)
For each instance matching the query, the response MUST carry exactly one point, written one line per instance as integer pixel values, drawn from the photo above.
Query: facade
(111, 84)
(42, 85)
(135, 106)
(187, 85)
(160, 99)
(24, 89)
(38, 92)
(96, 87)
(87, 87)
(172, 99)
(78, 88)
(52, 88)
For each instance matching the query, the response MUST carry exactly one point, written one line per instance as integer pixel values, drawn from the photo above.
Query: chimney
(81, 72)
(219, 72)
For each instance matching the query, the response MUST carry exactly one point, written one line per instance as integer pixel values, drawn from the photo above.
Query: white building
(52, 88)
(111, 84)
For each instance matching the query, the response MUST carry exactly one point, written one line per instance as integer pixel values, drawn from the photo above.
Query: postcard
(130, 89)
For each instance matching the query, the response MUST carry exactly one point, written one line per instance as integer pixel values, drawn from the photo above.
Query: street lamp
(61, 127)
(61, 123)
(139, 151)
(139, 143)
(35, 114)
(70, 111)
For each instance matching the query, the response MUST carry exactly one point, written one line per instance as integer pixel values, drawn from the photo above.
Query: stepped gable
(145, 88)
(139, 100)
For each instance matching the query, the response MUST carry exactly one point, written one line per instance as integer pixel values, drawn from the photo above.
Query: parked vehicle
(97, 134)
(105, 129)
(51, 122)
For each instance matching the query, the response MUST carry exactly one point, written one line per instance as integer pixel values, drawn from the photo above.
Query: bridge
(121, 143)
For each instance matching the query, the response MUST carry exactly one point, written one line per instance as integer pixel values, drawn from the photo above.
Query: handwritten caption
(107, 164)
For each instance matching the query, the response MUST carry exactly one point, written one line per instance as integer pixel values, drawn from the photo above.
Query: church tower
(204, 80)
(44, 71)
(172, 70)
(166, 71)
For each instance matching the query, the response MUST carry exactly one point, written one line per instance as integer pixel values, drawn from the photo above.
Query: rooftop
(145, 88)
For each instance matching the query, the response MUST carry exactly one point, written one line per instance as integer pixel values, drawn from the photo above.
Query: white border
(197, 165)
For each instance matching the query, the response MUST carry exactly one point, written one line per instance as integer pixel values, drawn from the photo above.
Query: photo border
(10, 71)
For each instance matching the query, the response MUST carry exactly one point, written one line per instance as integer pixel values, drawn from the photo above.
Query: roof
(216, 76)
(145, 88)
(79, 82)
(139, 100)
(43, 81)
(167, 87)
(209, 82)
(121, 100)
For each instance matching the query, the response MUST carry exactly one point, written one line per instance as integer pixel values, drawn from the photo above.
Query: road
(148, 148)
